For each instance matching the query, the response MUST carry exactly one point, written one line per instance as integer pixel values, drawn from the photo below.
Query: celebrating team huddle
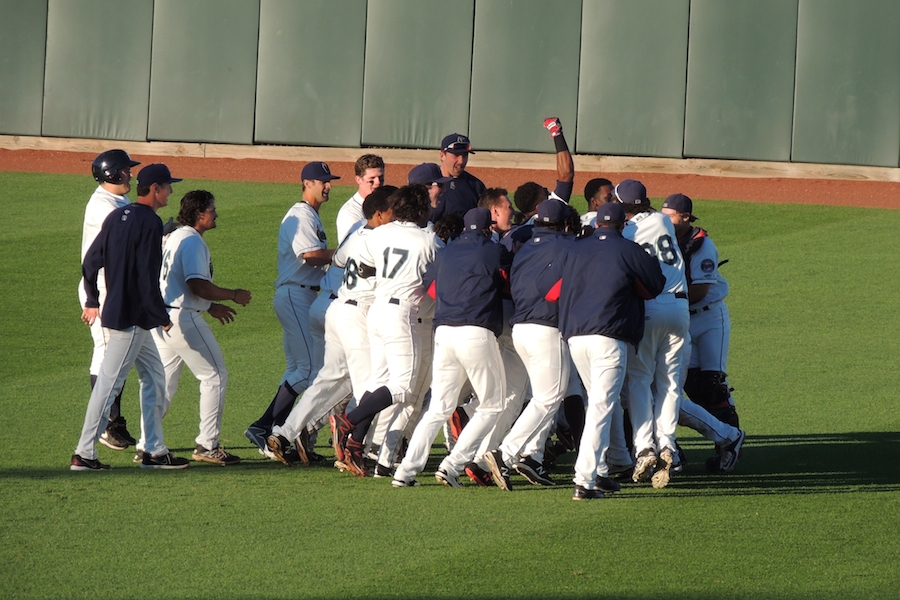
(442, 307)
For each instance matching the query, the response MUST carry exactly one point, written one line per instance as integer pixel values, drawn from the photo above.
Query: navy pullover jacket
(469, 276)
(459, 195)
(536, 267)
(129, 247)
(605, 281)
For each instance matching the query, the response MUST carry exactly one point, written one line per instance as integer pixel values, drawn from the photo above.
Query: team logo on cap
(325, 168)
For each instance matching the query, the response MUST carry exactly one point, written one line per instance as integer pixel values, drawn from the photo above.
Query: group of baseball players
(441, 308)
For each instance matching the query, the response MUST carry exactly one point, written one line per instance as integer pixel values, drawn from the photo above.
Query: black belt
(394, 301)
(314, 288)
(681, 295)
(333, 297)
(351, 302)
(694, 312)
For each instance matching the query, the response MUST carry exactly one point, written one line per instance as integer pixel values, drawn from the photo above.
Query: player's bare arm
(210, 291)
(697, 292)
(225, 314)
(317, 258)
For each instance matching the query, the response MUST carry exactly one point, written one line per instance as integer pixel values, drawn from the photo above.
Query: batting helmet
(108, 166)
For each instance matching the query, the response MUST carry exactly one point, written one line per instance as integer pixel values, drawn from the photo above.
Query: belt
(333, 297)
(394, 301)
(351, 302)
(694, 312)
(314, 288)
(681, 295)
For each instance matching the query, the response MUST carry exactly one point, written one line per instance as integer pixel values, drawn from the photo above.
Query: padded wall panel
(848, 83)
(632, 82)
(97, 77)
(418, 68)
(740, 85)
(309, 82)
(203, 84)
(23, 37)
(524, 68)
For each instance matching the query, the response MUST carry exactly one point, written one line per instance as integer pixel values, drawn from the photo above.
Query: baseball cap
(427, 174)
(611, 212)
(456, 143)
(155, 173)
(551, 211)
(317, 171)
(478, 219)
(680, 203)
(631, 191)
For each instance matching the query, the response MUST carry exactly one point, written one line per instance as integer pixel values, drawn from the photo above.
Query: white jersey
(656, 235)
(185, 257)
(334, 274)
(705, 270)
(587, 219)
(349, 256)
(400, 252)
(349, 215)
(301, 232)
(98, 208)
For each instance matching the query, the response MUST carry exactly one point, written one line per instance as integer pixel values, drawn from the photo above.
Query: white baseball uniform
(296, 288)
(656, 370)
(350, 216)
(190, 340)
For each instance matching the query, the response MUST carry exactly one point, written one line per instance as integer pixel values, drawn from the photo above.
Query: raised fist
(553, 125)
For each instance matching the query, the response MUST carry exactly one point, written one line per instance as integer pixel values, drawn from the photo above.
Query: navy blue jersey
(535, 269)
(129, 248)
(459, 196)
(469, 276)
(605, 279)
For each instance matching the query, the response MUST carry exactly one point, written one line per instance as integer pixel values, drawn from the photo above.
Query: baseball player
(605, 281)
(188, 291)
(347, 358)
(112, 171)
(466, 280)
(369, 170)
(537, 341)
(430, 175)
(302, 256)
(597, 192)
(129, 248)
(710, 329)
(463, 190)
(399, 252)
(654, 375)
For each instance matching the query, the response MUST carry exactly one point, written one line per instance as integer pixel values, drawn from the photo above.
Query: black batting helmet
(108, 166)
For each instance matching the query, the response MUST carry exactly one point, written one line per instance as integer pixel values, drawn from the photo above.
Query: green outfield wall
(772, 80)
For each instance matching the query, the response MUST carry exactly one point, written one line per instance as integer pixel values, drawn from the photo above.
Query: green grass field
(812, 510)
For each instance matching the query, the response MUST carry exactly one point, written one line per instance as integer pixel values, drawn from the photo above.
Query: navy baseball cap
(680, 203)
(478, 218)
(551, 211)
(155, 173)
(456, 143)
(317, 171)
(611, 212)
(427, 174)
(632, 192)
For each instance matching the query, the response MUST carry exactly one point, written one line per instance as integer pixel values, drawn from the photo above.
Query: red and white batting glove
(553, 125)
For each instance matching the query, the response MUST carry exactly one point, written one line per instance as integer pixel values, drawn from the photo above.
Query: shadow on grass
(770, 464)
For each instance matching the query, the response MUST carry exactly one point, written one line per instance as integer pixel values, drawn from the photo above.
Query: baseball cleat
(447, 479)
(607, 485)
(302, 445)
(643, 468)
(663, 474)
(729, 456)
(341, 466)
(354, 459)
(87, 464)
(120, 424)
(279, 446)
(257, 435)
(400, 483)
(164, 461)
(112, 440)
(217, 456)
(499, 469)
(582, 493)
(620, 471)
(382, 471)
(479, 475)
(340, 431)
(533, 471)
